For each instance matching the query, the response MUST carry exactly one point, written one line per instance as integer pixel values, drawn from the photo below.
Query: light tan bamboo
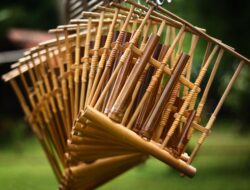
(216, 111)
(130, 137)
(156, 77)
(85, 61)
(114, 112)
(68, 59)
(107, 168)
(124, 57)
(63, 83)
(194, 42)
(77, 70)
(175, 92)
(35, 128)
(189, 98)
(104, 54)
(95, 57)
(209, 84)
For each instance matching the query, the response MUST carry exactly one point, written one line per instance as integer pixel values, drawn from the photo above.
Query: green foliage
(27, 14)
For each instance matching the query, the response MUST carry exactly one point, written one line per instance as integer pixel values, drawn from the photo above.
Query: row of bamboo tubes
(117, 85)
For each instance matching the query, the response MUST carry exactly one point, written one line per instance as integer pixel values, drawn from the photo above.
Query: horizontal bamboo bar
(134, 140)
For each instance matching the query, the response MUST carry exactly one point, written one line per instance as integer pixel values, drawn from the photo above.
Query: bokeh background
(224, 161)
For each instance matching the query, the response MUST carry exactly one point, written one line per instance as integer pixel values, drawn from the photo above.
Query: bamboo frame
(107, 63)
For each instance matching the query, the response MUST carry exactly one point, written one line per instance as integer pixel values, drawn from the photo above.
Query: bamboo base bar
(126, 135)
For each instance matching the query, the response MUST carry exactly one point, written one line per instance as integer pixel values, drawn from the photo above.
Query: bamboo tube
(153, 119)
(55, 84)
(209, 83)
(184, 137)
(34, 126)
(194, 42)
(95, 57)
(151, 99)
(188, 99)
(49, 120)
(155, 78)
(167, 110)
(77, 70)
(119, 106)
(109, 64)
(143, 80)
(124, 72)
(83, 140)
(85, 61)
(216, 111)
(63, 85)
(130, 137)
(68, 58)
(105, 54)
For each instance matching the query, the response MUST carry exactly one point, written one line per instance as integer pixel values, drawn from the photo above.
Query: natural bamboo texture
(118, 85)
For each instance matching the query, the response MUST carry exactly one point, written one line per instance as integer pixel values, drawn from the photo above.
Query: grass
(222, 163)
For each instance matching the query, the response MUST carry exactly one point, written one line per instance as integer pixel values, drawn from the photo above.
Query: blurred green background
(224, 161)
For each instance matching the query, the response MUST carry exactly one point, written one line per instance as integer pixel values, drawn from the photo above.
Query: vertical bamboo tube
(189, 98)
(27, 113)
(98, 102)
(184, 137)
(51, 125)
(155, 78)
(63, 85)
(151, 99)
(104, 54)
(77, 70)
(68, 59)
(209, 83)
(95, 57)
(119, 107)
(85, 64)
(154, 116)
(216, 111)
(194, 42)
(124, 72)
(58, 96)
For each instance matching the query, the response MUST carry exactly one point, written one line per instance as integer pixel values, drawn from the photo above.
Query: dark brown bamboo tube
(124, 57)
(110, 62)
(119, 106)
(184, 137)
(153, 119)
(157, 76)
(113, 92)
(151, 100)
(130, 137)
(125, 70)
(190, 96)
